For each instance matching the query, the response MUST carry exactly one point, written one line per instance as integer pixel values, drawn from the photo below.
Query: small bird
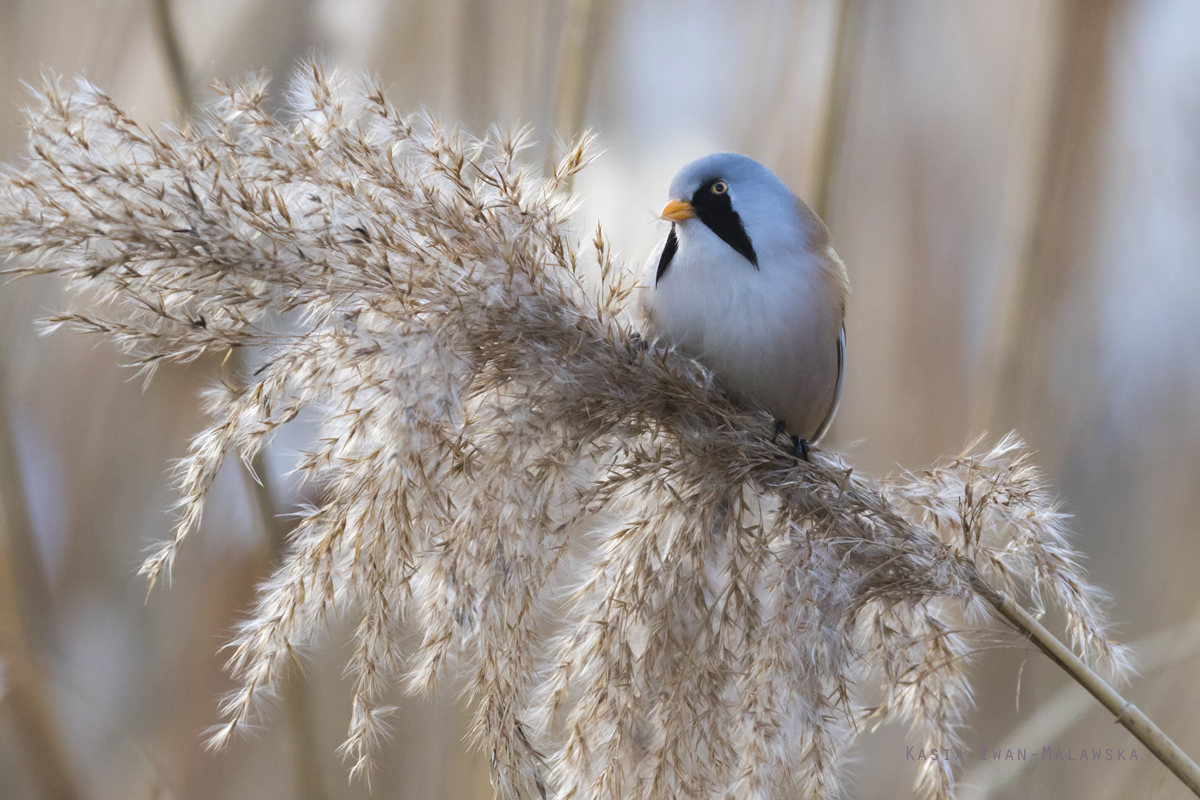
(747, 283)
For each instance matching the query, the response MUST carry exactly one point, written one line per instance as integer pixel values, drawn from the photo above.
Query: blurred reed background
(1014, 186)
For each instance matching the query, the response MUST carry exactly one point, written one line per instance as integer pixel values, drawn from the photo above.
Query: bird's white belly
(766, 337)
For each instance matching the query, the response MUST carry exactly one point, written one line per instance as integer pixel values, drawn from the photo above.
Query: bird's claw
(800, 446)
(637, 346)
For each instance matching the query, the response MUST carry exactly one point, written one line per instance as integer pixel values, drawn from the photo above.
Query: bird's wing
(837, 389)
(670, 247)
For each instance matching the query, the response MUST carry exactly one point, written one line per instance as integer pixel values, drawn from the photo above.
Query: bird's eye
(720, 187)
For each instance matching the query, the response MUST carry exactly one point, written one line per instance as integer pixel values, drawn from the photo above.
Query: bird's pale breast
(769, 335)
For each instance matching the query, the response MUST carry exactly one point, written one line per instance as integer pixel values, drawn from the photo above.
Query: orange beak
(678, 211)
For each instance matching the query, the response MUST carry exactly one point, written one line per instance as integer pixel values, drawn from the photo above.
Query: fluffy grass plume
(643, 594)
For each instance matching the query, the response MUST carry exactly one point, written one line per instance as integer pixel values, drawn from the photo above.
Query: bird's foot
(637, 346)
(780, 427)
(801, 445)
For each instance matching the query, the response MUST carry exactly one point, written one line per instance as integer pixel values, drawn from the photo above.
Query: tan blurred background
(1014, 184)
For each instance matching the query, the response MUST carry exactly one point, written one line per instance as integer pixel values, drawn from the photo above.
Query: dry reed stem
(1040, 114)
(580, 39)
(168, 37)
(1018, 355)
(643, 595)
(293, 687)
(32, 585)
(1072, 703)
(22, 683)
(847, 42)
(1126, 713)
(296, 702)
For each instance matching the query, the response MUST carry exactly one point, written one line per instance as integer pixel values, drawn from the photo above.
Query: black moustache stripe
(668, 253)
(716, 211)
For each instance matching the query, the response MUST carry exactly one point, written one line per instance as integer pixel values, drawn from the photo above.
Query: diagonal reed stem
(1070, 704)
(1126, 713)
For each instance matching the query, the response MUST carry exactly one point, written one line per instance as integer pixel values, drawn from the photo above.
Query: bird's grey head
(745, 204)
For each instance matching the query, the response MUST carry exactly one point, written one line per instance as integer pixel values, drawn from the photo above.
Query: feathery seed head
(644, 597)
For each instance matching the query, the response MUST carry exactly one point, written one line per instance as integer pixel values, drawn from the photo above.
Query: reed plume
(644, 595)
